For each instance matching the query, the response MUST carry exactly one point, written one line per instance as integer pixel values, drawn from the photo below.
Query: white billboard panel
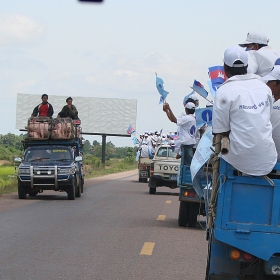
(98, 115)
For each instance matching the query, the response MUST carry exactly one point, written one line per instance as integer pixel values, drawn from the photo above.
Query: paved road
(116, 230)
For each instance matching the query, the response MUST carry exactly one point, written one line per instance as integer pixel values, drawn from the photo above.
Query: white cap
(273, 75)
(146, 134)
(194, 97)
(255, 37)
(234, 54)
(151, 132)
(210, 104)
(190, 105)
(163, 135)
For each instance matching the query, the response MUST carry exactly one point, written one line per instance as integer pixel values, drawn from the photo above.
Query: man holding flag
(187, 129)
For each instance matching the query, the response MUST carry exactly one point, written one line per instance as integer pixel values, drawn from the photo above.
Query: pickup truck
(50, 163)
(244, 235)
(164, 169)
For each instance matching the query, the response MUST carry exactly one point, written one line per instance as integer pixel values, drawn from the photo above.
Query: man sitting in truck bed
(45, 109)
(69, 110)
(242, 109)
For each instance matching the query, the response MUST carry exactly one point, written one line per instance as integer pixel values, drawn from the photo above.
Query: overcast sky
(110, 50)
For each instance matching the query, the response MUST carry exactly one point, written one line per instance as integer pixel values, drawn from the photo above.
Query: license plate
(172, 177)
(144, 174)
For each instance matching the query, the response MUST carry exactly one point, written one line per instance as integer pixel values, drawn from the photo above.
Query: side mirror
(79, 158)
(17, 160)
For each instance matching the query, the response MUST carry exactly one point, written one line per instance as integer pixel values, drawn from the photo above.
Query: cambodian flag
(199, 88)
(217, 76)
(130, 130)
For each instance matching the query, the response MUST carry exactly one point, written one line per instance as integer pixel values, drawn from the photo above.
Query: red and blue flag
(130, 129)
(199, 88)
(217, 75)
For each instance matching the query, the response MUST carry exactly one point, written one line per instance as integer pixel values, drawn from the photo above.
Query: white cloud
(20, 30)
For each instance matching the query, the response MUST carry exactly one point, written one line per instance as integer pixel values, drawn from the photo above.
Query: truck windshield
(166, 152)
(47, 154)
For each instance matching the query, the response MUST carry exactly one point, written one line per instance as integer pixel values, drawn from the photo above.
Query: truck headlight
(70, 170)
(22, 171)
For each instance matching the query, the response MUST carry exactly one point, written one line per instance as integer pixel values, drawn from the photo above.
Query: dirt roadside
(10, 201)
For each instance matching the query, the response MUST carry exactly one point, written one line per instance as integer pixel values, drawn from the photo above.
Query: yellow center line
(161, 217)
(168, 201)
(147, 248)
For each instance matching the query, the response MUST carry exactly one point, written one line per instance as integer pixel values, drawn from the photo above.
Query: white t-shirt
(275, 121)
(262, 61)
(187, 129)
(243, 106)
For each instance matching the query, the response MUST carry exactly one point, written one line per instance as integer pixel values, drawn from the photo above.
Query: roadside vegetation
(117, 159)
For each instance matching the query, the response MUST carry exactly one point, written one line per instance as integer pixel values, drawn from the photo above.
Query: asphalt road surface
(116, 230)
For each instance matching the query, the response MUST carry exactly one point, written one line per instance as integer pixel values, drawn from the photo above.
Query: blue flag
(160, 88)
(199, 88)
(217, 75)
(187, 97)
(204, 116)
(213, 92)
(161, 100)
(135, 140)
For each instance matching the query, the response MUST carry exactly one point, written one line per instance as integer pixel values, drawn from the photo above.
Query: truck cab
(164, 169)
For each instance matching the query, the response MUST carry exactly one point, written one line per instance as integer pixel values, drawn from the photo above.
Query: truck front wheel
(71, 191)
(78, 190)
(21, 191)
(152, 190)
(183, 214)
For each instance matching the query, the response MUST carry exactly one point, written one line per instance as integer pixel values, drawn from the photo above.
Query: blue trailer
(244, 238)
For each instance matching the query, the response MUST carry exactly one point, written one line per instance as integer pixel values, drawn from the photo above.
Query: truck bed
(248, 212)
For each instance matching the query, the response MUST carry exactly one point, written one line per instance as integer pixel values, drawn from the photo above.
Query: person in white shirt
(187, 124)
(261, 57)
(241, 111)
(273, 81)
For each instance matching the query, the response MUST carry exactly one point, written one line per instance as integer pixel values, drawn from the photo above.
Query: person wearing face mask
(261, 56)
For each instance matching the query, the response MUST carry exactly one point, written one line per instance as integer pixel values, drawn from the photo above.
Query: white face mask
(249, 49)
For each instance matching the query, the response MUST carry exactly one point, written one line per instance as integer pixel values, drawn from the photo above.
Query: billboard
(97, 115)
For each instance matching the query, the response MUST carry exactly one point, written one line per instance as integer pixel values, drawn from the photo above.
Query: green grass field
(8, 180)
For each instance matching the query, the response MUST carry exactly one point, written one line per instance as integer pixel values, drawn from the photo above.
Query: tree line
(11, 147)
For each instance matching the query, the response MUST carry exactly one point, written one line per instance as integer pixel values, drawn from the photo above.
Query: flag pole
(202, 96)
